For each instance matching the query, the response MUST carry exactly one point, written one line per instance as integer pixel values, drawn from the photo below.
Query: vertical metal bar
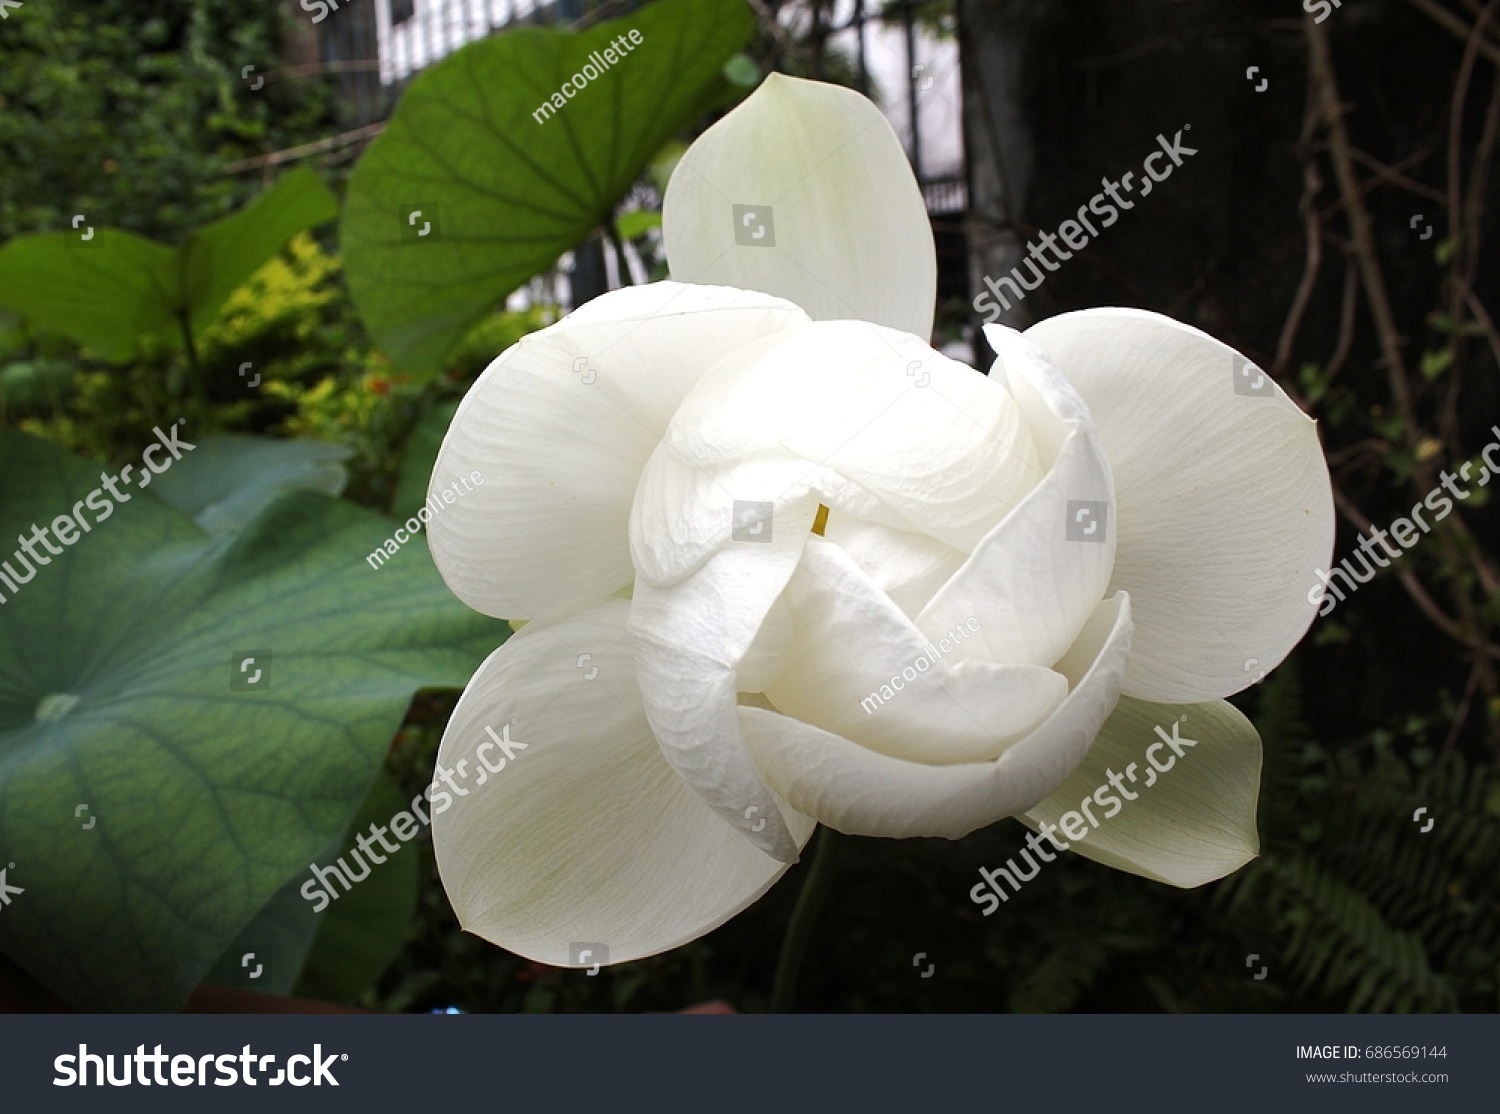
(401, 59)
(818, 39)
(908, 24)
(859, 33)
(369, 44)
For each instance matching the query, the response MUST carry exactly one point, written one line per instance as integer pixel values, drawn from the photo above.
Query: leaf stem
(804, 919)
(187, 341)
(200, 388)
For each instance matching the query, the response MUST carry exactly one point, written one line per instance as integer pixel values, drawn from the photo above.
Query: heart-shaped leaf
(186, 722)
(113, 289)
(505, 170)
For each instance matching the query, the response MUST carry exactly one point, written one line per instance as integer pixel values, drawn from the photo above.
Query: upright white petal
(803, 191)
(558, 429)
(585, 836)
(1225, 506)
(1036, 577)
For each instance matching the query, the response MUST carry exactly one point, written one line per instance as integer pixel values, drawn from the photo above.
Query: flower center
(54, 706)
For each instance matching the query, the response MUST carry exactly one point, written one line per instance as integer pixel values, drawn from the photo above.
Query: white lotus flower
(731, 518)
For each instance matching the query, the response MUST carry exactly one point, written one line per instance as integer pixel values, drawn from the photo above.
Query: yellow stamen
(821, 522)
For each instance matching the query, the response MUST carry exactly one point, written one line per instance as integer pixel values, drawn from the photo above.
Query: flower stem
(804, 919)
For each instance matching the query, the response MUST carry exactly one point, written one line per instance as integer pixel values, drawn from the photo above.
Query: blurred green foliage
(128, 110)
(290, 327)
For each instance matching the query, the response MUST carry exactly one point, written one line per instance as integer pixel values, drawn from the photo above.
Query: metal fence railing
(404, 37)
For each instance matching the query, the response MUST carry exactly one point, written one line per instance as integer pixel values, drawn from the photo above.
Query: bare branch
(1450, 22)
(291, 154)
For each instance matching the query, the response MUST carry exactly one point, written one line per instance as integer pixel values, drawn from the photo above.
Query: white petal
(1038, 575)
(873, 420)
(861, 792)
(586, 836)
(559, 428)
(689, 640)
(803, 191)
(851, 639)
(684, 512)
(907, 567)
(1192, 822)
(1225, 506)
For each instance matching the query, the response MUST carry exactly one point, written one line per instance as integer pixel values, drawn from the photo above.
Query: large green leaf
(331, 952)
(506, 192)
(153, 797)
(106, 294)
(115, 289)
(229, 478)
(268, 953)
(363, 930)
